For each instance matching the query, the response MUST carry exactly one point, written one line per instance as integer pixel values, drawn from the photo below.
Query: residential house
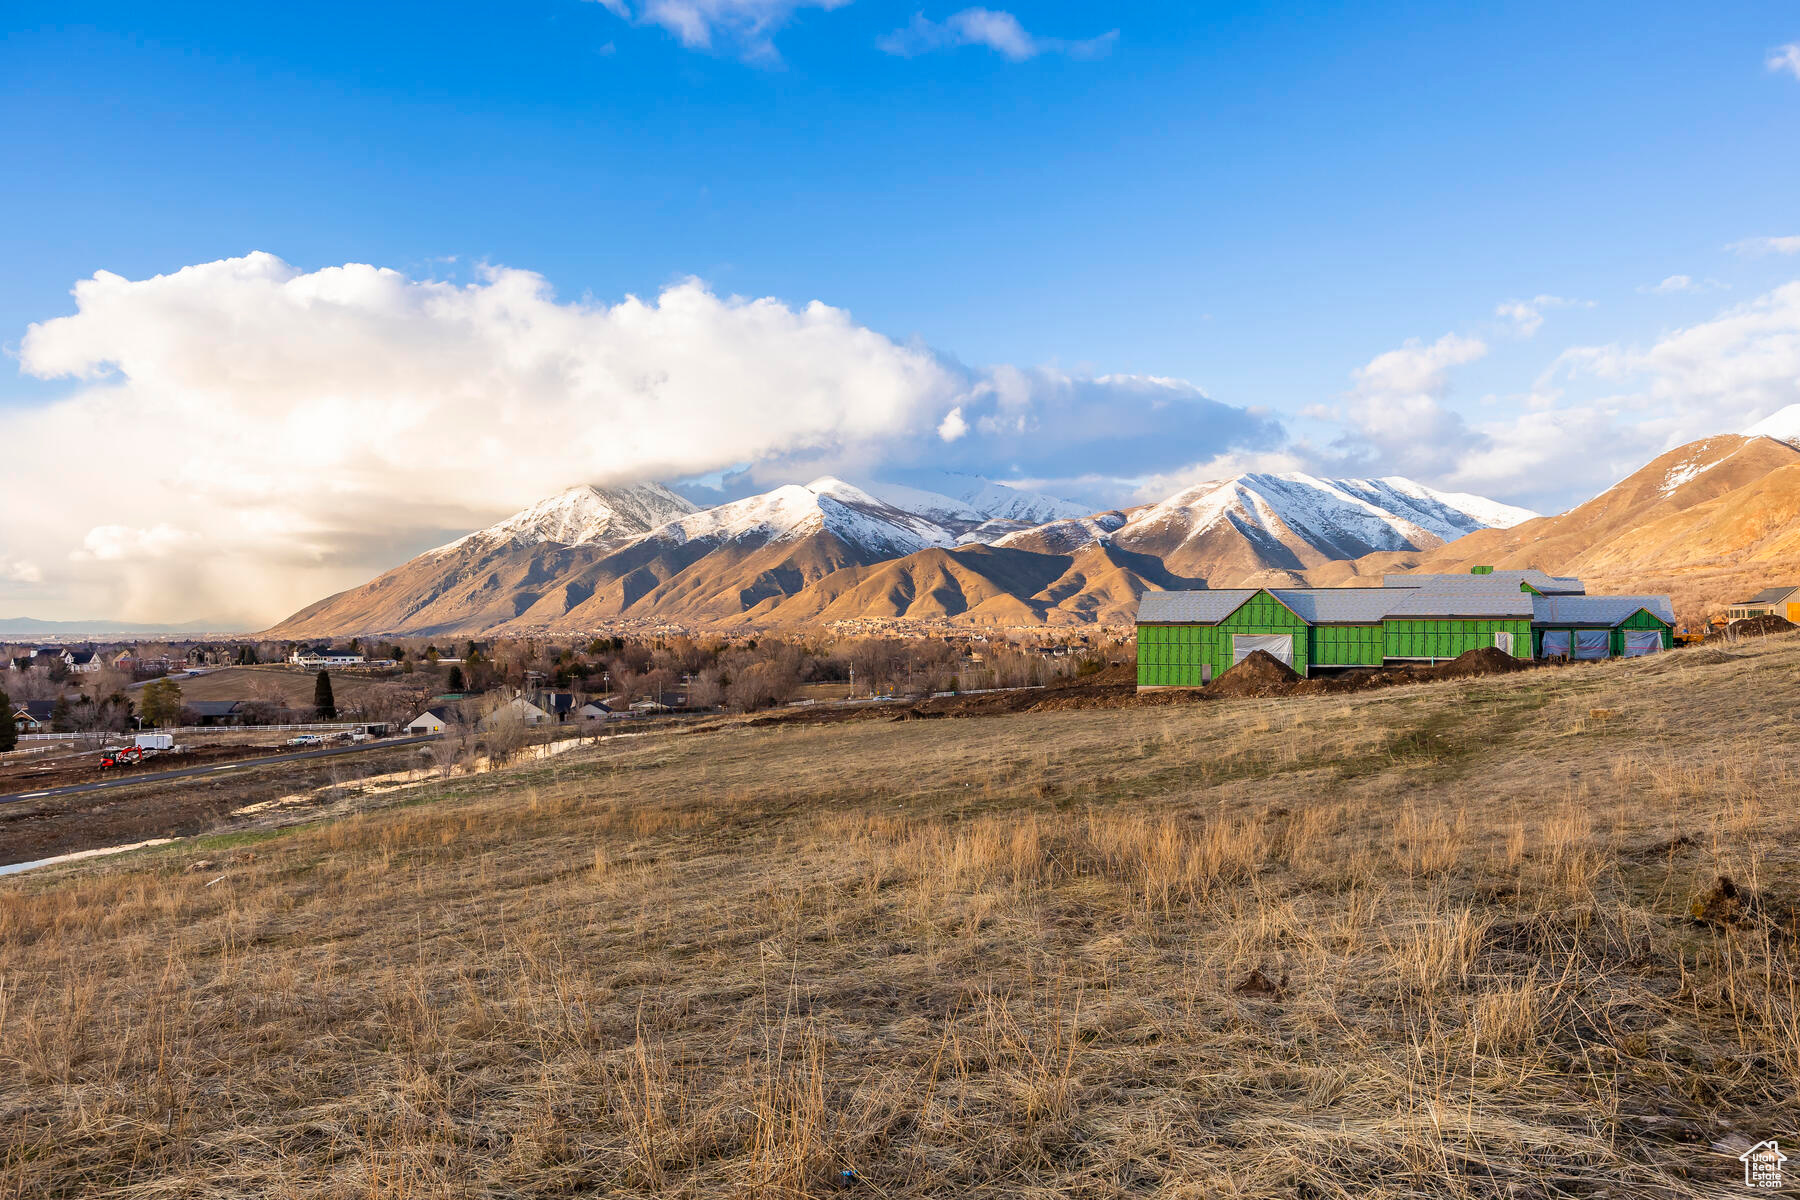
(34, 716)
(593, 710)
(85, 662)
(1189, 638)
(433, 720)
(323, 657)
(1775, 601)
(214, 712)
(517, 709)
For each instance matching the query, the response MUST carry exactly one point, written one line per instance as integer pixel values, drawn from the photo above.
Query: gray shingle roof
(1462, 600)
(1201, 607)
(1548, 584)
(213, 708)
(1597, 611)
(1368, 606)
(1338, 606)
(1774, 595)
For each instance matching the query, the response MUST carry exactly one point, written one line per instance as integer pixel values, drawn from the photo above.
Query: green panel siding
(1173, 655)
(1439, 638)
(1345, 646)
(1641, 620)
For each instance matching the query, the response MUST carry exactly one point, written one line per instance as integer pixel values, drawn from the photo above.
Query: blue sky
(1260, 202)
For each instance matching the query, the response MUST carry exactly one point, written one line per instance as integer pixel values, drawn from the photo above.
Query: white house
(432, 720)
(516, 709)
(326, 658)
(593, 710)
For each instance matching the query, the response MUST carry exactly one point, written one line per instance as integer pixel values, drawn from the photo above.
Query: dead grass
(1435, 941)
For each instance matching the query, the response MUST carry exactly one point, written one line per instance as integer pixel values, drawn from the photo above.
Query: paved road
(76, 789)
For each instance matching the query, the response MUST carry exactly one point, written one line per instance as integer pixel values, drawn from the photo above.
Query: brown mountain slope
(1702, 523)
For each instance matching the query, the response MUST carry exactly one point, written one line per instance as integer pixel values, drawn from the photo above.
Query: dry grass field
(1434, 941)
(292, 686)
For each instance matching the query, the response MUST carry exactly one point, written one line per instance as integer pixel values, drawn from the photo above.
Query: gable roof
(1204, 607)
(212, 708)
(442, 712)
(1598, 611)
(1337, 606)
(82, 657)
(37, 710)
(1774, 595)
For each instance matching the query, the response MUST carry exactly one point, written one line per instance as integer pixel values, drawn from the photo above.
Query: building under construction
(1187, 639)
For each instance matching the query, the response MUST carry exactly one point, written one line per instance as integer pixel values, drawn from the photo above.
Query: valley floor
(1460, 939)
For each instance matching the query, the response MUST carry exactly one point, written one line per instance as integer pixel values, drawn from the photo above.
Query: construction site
(1186, 639)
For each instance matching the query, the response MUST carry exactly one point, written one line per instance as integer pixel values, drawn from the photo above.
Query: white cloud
(1757, 246)
(1618, 406)
(1527, 316)
(1683, 283)
(20, 571)
(314, 428)
(1786, 58)
(999, 31)
(748, 25)
(1396, 414)
(311, 426)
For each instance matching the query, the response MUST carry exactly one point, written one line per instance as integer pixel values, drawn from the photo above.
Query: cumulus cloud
(1527, 316)
(1594, 415)
(998, 31)
(20, 571)
(748, 26)
(1786, 59)
(1756, 247)
(315, 427)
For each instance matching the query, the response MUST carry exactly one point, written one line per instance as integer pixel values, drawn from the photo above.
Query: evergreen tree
(456, 681)
(322, 699)
(9, 733)
(61, 719)
(161, 704)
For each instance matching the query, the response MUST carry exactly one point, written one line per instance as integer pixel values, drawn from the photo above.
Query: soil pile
(1761, 626)
(1259, 674)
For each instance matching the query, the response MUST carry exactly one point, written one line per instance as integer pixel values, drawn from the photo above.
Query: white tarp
(1593, 643)
(1556, 643)
(1639, 642)
(1280, 645)
(1503, 641)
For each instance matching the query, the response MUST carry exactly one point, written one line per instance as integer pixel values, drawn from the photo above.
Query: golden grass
(1434, 941)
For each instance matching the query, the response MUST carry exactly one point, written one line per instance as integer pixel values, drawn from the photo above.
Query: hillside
(832, 551)
(1229, 948)
(1703, 523)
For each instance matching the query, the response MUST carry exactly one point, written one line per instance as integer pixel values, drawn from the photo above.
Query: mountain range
(1702, 522)
(832, 551)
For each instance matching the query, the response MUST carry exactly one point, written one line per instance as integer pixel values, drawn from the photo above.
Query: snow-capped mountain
(1294, 521)
(826, 505)
(580, 516)
(981, 499)
(1783, 426)
(591, 557)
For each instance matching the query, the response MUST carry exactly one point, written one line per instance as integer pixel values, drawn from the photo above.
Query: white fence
(107, 736)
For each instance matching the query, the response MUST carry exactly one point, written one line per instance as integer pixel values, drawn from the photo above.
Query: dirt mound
(1260, 674)
(1761, 626)
(1116, 675)
(1488, 660)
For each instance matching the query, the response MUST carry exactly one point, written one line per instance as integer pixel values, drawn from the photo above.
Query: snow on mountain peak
(1342, 518)
(584, 514)
(1783, 426)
